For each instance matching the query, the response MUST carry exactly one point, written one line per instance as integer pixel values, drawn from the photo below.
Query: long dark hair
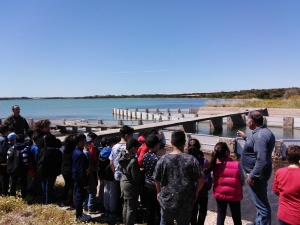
(70, 143)
(220, 152)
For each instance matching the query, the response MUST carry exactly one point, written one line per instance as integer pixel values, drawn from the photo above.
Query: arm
(200, 183)
(135, 172)
(157, 184)
(241, 134)
(261, 150)
(112, 166)
(275, 185)
(242, 175)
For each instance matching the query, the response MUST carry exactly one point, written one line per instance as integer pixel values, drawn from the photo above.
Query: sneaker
(94, 211)
(84, 218)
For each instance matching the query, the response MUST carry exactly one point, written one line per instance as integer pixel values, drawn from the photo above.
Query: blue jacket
(80, 167)
(256, 155)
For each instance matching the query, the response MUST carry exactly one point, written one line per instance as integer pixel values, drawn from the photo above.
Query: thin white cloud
(141, 71)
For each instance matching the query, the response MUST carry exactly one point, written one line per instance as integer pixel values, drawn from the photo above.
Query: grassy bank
(14, 210)
(292, 102)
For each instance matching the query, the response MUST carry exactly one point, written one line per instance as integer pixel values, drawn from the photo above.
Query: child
(106, 176)
(80, 174)
(130, 181)
(202, 199)
(149, 162)
(228, 179)
(90, 201)
(286, 186)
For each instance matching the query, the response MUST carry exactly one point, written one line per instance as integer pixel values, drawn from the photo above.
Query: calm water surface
(102, 109)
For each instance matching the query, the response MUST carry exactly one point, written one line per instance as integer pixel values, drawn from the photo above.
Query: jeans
(108, 198)
(90, 201)
(80, 194)
(22, 174)
(259, 196)
(235, 208)
(129, 210)
(202, 203)
(181, 217)
(152, 206)
(48, 188)
(101, 193)
(5, 179)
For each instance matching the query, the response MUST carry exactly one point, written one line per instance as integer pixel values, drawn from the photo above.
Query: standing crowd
(172, 186)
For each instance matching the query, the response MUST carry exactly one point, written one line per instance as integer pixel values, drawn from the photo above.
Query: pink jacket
(227, 181)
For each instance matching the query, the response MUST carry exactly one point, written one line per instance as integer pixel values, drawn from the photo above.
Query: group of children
(128, 173)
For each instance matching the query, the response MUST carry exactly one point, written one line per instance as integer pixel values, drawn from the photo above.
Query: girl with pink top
(228, 181)
(287, 186)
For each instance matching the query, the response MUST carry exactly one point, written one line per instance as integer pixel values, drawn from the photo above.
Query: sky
(74, 48)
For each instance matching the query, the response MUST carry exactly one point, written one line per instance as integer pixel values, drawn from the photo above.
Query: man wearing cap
(16, 121)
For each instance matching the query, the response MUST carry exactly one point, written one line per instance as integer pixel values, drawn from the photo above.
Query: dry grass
(14, 210)
(292, 102)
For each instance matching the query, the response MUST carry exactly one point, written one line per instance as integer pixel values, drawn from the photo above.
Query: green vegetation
(291, 102)
(242, 94)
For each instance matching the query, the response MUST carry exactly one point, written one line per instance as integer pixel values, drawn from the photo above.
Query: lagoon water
(102, 109)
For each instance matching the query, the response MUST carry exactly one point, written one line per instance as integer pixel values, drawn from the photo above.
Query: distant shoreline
(274, 93)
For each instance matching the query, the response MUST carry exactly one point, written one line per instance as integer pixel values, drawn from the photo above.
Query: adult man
(257, 163)
(16, 121)
(178, 180)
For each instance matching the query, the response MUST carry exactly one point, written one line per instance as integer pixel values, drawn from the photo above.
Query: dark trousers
(235, 208)
(67, 195)
(5, 179)
(48, 188)
(129, 210)
(120, 201)
(199, 206)
(152, 206)
(80, 194)
(15, 176)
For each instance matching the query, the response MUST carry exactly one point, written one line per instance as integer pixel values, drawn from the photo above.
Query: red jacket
(143, 149)
(227, 181)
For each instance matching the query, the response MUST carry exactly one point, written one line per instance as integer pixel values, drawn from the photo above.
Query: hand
(158, 196)
(240, 134)
(250, 181)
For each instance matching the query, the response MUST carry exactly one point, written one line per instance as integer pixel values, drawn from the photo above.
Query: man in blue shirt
(256, 160)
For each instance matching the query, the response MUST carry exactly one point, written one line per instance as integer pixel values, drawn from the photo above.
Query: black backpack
(104, 170)
(49, 161)
(17, 159)
(3, 149)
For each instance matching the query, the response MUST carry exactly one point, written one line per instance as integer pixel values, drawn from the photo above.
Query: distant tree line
(242, 94)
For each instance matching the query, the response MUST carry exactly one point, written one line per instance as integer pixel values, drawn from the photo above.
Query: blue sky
(99, 47)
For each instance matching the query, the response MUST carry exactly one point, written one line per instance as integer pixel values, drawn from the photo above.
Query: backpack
(3, 149)
(49, 161)
(17, 159)
(104, 169)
